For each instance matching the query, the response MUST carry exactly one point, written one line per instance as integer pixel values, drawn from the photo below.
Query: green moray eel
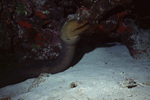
(70, 35)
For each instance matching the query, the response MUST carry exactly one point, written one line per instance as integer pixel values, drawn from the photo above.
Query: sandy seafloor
(106, 73)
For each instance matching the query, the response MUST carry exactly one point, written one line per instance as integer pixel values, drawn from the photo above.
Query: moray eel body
(70, 35)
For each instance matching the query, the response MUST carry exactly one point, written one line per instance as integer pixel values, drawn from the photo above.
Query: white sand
(103, 74)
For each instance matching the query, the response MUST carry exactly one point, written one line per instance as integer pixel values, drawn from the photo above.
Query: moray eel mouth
(80, 27)
(70, 35)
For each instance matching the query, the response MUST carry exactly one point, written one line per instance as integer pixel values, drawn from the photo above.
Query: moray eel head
(72, 30)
